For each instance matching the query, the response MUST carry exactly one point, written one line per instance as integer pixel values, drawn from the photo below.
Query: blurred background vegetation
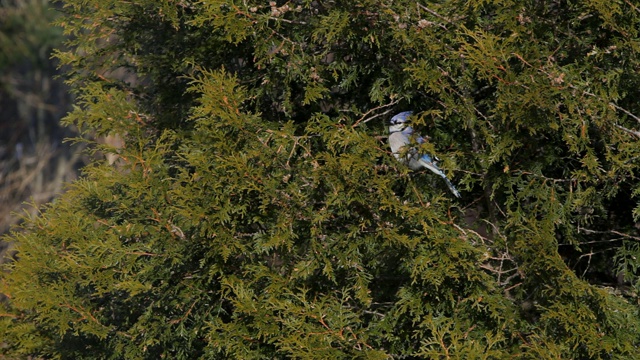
(35, 162)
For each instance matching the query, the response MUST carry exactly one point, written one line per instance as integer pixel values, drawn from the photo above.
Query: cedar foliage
(256, 211)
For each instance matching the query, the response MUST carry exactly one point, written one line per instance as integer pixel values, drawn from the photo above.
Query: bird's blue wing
(426, 161)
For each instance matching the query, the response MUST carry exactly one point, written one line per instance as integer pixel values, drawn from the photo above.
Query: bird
(400, 135)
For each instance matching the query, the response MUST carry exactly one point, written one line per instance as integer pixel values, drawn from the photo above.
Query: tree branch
(364, 118)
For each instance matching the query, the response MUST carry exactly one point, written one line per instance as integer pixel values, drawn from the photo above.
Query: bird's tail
(451, 187)
(431, 166)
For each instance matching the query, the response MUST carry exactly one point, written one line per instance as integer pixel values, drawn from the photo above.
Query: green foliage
(25, 33)
(256, 212)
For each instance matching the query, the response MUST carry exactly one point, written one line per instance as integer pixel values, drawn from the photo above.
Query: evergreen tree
(257, 212)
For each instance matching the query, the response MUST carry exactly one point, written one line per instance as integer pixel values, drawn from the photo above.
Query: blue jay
(400, 135)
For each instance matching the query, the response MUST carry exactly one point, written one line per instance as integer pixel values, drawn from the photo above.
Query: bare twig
(615, 232)
(513, 287)
(364, 118)
(632, 132)
(432, 12)
(288, 21)
(633, 6)
(590, 255)
(623, 110)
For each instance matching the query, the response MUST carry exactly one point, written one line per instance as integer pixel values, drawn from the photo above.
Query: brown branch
(625, 235)
(172, 322)
(512, 287)
(589, 231)
(497, 271)
(590, 255)
(621, 109)
(432, 12)
(142, 253)
(632, 132)
(444, 347)
(521, 172)
(466, 334)
(633, 6)
(508, 280)
(84, 313)
(363, 120)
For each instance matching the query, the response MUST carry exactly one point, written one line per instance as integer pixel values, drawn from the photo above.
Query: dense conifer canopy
(256, 212)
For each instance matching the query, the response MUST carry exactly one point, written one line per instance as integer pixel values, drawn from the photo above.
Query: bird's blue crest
(401, 117)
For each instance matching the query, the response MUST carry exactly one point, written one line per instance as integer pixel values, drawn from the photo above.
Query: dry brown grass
(34, 162)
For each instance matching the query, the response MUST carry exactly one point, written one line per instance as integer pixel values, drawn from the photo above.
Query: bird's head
(399, 121)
